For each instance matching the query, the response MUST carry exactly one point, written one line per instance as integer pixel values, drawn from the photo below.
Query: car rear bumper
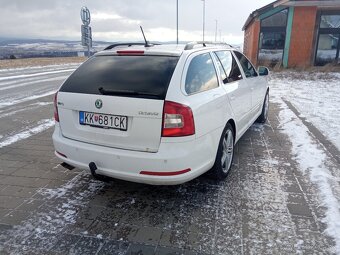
(170, 163)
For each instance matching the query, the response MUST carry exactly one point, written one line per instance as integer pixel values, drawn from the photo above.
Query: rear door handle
(232, 98)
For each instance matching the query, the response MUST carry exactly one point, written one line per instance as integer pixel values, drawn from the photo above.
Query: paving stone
(174, 238)
(7, 170)
(8, 202)
(304, 224)
(28, 172)
(199, 242)
(113, 248)
(126, 233)
(296, 198)
(30, 205)
(228, 244)
(18, 191)
(87, 245)
(299, 210)
(168, 251)
(41, 241)
(140, 249)
(65, 243)
(15, 217)
(24, 181)
(2, 186)
(148, 235)
(3, 212)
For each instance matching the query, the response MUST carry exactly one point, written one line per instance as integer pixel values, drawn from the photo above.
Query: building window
(328, 40)
(272, 38)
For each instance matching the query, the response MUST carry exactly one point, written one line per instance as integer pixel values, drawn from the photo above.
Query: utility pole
(177, 19)
(203, 17)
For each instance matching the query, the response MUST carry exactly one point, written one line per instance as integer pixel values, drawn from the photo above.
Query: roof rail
(128, 44)
(191, 45)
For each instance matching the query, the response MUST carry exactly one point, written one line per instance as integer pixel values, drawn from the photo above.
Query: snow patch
(34, 74)
(61, 209)
(312, 160)
(25, 99)
(315, 96)
(17, 85)
(43, 125)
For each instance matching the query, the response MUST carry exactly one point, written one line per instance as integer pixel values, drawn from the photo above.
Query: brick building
(294, 33)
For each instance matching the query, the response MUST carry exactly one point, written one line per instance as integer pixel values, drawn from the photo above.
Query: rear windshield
(130, 76)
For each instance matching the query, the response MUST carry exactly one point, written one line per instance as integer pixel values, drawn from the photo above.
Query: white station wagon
(158, 114)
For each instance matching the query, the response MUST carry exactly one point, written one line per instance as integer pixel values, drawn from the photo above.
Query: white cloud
(105, 16)
(120, 19)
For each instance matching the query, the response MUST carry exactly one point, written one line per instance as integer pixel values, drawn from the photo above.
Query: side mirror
(263, 71)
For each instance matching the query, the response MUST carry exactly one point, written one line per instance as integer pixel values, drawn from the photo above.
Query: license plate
(103, 120)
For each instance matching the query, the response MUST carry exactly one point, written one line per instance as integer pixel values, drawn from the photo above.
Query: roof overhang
(294, 3)
(325, 3)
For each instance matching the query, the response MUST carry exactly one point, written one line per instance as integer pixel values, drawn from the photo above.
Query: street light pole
(203, 17)
(177, 19)
(216, 31)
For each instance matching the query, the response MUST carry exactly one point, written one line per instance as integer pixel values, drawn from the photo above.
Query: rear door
(116, 101)
(236, 87)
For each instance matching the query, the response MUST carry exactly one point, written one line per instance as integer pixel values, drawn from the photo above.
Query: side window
(247, 67)
(231, 71)
(201, 74)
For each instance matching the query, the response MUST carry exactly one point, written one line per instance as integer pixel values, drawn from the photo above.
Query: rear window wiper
(126, 93)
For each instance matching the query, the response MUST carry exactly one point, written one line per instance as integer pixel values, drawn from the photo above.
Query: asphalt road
(26, 97)
(265, 206)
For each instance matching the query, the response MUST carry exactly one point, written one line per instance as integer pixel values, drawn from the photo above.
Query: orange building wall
(251, 41)
(302, 36)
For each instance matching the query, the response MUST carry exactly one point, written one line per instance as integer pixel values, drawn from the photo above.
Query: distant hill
(25, 48)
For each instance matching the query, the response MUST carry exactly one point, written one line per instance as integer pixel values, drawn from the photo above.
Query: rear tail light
(56, 115)
(178, 120)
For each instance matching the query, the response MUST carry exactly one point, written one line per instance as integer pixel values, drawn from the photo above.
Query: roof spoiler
(129, 44)
(191, 45)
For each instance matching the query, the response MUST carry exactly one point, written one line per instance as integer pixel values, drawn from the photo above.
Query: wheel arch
(233, 125)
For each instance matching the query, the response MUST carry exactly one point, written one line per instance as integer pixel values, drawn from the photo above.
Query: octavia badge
(98, 103)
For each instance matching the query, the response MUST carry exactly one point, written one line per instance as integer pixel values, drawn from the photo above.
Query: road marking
(43, 125)
(18, 101)
(33, 74)
(33, 82)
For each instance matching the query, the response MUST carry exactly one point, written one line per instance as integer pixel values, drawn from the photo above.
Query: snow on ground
(309, 96)
(15, 84)
(11, 77)
(39, 68)
(42, 125)
(13, 101)
(316, 96)
(63, 206)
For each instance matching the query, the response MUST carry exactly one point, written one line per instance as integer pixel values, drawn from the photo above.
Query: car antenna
(146, 42)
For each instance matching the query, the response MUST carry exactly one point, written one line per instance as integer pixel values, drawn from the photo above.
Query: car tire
(225, 154)
(264, 114)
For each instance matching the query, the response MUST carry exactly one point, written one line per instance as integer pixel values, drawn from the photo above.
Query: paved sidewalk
(265, 206)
